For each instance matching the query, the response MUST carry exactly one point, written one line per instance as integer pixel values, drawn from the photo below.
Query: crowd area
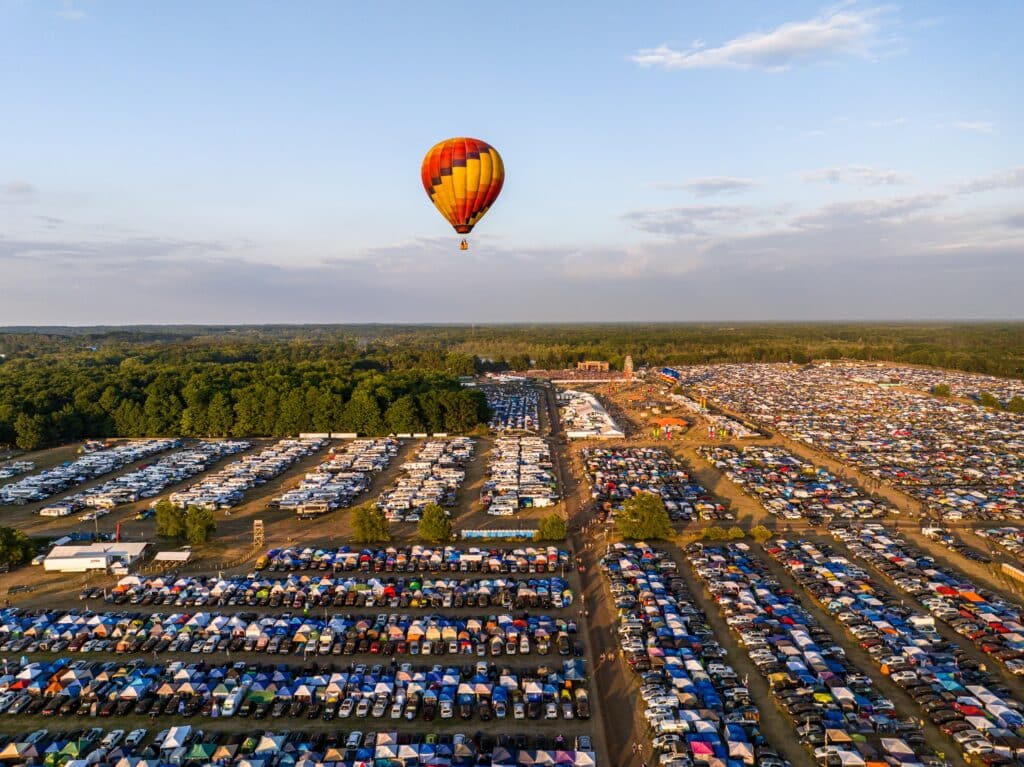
(835, 710)
(951, 689)
(224, 489)
(962, 460)
(790, 487)
(299, 591)
(434, 475)
(514, 406)
(992, 623)
(63, 688)
(419, 558)
(340, 479)
(617, 474)
(519, 475)
(185, 745)
(39, 487)
(147, 481)
(698, 710)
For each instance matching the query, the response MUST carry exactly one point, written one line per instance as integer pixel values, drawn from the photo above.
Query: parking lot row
(835, 711)
(792, 488)
(992, 623)
(696, 707)
(38, 487)
(498, 635)
(617, 474)
(418, 559)
(967, 703)
(225, 488)
(298, 592)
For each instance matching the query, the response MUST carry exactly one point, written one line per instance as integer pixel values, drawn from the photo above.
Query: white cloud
(857, 174)
(846, 31)
(893, 123)
(18, 188)
(1011, 178)
(710, 186)
(69, 12)
(975, 126)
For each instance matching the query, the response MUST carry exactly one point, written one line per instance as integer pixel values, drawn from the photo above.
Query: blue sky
(258, 162)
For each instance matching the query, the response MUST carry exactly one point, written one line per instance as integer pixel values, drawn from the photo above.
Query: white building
(93, 556)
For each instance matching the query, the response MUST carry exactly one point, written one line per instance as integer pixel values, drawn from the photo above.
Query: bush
(760, 533)
(715, 533)
(644, 516)
(736, 533)
(552, 528)
(942, 390)
(435, 526)
(369, 525)
(987, 399)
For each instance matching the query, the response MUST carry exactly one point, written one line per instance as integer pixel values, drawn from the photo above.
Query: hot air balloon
(463, 177)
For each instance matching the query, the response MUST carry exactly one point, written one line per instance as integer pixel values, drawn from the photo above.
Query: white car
(112, 738)
(135, 737)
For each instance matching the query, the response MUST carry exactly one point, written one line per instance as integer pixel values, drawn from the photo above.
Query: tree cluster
(369, 525)
(219, 392)
(552, 528)
(194, 525)
(16, 548)
(644, 517)
(717, 533)
(435, 525)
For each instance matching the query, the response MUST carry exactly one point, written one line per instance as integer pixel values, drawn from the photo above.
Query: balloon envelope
(463, 177)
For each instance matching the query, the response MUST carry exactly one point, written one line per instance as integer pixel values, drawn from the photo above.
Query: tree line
(232, 390)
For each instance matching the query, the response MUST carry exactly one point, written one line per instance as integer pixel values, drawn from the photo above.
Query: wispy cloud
(69, 12)
(1011, 178)
(710, 186)
(687, 219)
(893, 123)
(857, 174)
(18, 188)
(846, 31)
(975, 126)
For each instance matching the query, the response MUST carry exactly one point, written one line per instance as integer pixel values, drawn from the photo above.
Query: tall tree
(644, 517)
(435, 526)
(28, 431)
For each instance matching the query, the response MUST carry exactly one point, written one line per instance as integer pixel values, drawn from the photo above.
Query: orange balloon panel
(463, 177)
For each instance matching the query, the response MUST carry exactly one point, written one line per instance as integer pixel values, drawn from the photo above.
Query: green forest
(221, 388)
(59, 384)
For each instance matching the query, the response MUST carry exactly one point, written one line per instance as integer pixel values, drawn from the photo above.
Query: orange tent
(669, 421)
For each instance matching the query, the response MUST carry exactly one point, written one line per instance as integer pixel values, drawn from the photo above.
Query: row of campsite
(949, 687)
(963, 460)
(418, 558)
(616, 474)
(835, 710)
(514, 406)
(398, 592)
(64, 689)
(147, 481)
(434, 475)
(520, 474)
(340, 479)
(994, 624)
(697, 708)
(188, 745)
(335, 634)
(38, 487)
(792, 488)
(225, 488)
